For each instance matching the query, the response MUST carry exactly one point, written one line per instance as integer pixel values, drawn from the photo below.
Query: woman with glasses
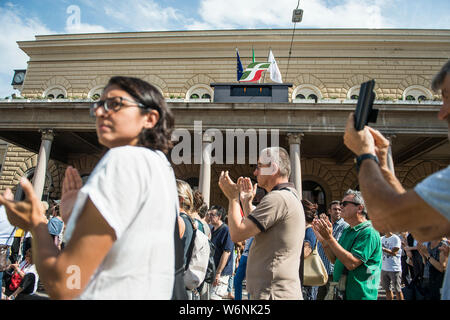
(122, 221)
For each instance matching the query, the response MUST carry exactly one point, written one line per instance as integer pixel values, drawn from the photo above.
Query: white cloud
(85, 28)
(219, 14)
(13, 28)
(140, 15)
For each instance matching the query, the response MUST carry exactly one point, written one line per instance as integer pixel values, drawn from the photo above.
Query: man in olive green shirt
(358, 251)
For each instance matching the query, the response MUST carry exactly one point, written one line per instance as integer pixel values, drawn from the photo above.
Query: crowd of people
(381, 236)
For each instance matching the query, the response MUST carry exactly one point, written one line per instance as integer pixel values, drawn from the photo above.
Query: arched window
(315, 193)
(96, 92)
(57, 92)
(307, 91)
(417, 93)
(19, 195)
(353, 93)
(199, 91)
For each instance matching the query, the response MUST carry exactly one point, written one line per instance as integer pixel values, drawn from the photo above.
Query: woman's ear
(151, 119)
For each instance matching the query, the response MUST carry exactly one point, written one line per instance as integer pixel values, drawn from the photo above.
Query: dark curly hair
(158, 137)
(310, 210)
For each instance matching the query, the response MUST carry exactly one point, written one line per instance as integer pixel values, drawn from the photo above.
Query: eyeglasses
(259, 166)
(344, 203)
(113, 103)
(212, 214)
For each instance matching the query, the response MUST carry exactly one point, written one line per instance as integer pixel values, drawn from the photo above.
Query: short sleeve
(435, 190)
(229, 244)
(397, 243)
(117, 187)
(268, 211)
(367, 242)
(310, 237)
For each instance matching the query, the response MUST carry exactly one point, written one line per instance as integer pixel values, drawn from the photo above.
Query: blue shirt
(435, 190)
(222, 241)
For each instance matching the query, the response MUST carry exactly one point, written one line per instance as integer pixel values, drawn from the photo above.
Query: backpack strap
(191, 244)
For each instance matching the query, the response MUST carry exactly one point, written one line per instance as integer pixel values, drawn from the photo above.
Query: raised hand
(359, 142)
(71, 185)
(228, 187)
(247, 191)
(323, 229)
(381, 147)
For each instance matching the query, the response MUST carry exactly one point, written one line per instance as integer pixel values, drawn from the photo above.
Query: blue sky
(23, 19)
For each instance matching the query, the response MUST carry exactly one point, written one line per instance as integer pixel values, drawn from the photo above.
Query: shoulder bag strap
(191, 244)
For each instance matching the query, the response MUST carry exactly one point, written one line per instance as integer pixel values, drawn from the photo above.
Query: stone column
(204, 185)
(390, 161)
(296, 168)
(40, 172)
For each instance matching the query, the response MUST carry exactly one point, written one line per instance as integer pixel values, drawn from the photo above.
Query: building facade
(325, 69)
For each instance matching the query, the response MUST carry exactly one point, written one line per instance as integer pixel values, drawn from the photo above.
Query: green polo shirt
(362, 282)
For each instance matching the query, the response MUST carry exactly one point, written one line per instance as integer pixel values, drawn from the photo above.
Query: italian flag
(254, 71)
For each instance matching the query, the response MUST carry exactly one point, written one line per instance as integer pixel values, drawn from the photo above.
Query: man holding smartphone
(424, 210)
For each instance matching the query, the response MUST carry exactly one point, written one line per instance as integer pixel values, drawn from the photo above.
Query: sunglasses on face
(114, 104)
(344, 203)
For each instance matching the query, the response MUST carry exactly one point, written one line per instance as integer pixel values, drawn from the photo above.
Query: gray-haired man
(277, 223)
(358, 252)
(425, 210)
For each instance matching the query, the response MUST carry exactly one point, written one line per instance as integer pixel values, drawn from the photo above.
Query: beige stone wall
(19, 162)
(332, 60)
(334, 77)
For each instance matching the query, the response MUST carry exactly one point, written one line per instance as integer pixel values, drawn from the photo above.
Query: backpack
(198, 257)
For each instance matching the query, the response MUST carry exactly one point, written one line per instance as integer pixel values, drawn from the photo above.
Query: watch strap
(362, 157)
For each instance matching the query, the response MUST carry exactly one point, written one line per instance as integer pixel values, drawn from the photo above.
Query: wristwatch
(11, 297)
(359, 159)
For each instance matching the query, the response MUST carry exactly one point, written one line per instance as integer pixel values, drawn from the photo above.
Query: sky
(23, 19)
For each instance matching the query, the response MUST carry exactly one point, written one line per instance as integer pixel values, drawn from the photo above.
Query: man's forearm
(328, 252)
(389, 209)
(223, 262)
(234, 217)
(392, 180)
(346, 257)
(247, 207)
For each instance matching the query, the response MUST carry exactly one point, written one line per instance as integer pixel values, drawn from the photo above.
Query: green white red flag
(254, 71)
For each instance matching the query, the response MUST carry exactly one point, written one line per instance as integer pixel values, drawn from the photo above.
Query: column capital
(47, 134)
(295, 137)
(207, 138)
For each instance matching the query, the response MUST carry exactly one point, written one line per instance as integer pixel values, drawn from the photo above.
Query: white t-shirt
(392, 263)
(134, 189)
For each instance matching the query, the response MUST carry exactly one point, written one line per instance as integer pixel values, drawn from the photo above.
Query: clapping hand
(247, 190)
(323, 229)
(71, 185)
(228, 187)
